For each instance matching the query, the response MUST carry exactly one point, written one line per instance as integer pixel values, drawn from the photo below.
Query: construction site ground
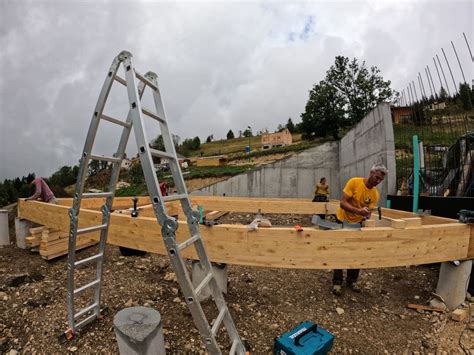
(264, 302)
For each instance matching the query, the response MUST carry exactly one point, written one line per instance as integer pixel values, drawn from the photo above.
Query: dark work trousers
(338, 276)
(321, 198)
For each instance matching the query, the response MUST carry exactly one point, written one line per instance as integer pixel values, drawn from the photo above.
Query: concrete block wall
(292, 177)
(369, 142)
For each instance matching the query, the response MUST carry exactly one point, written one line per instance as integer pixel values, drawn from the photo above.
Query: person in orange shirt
(359, 197)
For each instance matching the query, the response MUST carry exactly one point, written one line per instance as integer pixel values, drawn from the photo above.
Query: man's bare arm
(346, 205)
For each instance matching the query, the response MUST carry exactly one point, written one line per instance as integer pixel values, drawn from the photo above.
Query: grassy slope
(236, 145)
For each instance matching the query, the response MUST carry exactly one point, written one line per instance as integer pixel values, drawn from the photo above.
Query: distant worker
(42, 191)
(321, 191)
(359, 197)
(164, 188)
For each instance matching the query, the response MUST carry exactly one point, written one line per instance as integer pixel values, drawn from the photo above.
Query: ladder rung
(188, 242)
(102, 157)
(218, 321)
(120, 80)
(203, 283)
(96, 194)
(85, 310)
(86, 321)
(175, 197)
(91, 229)
(153, 115)
(161, 154)
(89, 259)
(116, 121)
(146, 81)
(85, 287)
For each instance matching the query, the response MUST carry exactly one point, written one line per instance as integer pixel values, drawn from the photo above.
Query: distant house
(216, 160)
(165, 162)
(280, 139)
(437, 106)
(401, 114)
(181, 159)
(126, 164)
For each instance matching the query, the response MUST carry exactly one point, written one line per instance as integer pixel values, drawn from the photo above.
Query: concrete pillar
(4, 232)
(139, 331)
(452, 282)
(198, 274)
(22, 230)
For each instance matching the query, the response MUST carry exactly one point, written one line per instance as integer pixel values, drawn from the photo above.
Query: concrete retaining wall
(369, 142)
(292, 177)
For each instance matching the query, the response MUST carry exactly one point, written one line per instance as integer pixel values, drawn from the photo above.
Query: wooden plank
(32, 241)
(280, 247)
(419, 307)
(413, 222)
(470, 251)
(395, 222)
(50, 256)
(234, 204)
(50, 235)
(212, 216)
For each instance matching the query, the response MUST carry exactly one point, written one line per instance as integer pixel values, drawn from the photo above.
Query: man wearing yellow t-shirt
(358, 198)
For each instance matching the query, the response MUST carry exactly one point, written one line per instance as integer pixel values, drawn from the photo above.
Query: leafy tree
(443, 95)
(189, 145)
(159, 144)
(230, 134)
(280, 128)
(65, 176)
(352, 90)
(361, 88)
(136, 174)
(324, 113)
(290, 125)
(210, 138)
(248, 133)
(465, 96)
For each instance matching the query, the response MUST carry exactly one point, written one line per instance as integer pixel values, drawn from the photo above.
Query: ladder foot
(66, 336)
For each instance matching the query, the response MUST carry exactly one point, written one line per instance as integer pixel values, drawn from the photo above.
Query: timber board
(277, 246)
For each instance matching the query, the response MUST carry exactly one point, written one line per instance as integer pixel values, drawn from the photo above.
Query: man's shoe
(337, 290)
(354, 287)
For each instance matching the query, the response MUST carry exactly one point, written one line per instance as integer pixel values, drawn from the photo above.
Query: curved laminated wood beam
(281, 247)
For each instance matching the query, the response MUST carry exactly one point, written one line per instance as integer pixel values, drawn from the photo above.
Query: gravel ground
(265, 302)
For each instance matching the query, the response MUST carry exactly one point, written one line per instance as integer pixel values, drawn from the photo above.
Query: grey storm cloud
(221, 65)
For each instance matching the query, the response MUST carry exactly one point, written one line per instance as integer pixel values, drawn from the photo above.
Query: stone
(73, 349)
(339, 310)
(459, 315)
(170, 276)
(129, 303)
(177, 300)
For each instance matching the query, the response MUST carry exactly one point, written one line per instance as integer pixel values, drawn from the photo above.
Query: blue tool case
(306, 338)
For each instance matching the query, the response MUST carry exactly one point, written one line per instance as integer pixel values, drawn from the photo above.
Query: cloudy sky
(222, 65)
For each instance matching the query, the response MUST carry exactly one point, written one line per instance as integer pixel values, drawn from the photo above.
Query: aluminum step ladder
(135, 119)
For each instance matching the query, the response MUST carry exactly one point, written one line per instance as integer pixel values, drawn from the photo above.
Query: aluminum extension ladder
(136, 113)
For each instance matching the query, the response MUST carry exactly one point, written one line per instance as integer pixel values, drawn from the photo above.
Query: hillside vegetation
(233, 146)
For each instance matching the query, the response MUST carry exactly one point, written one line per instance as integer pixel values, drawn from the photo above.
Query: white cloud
(221, 65)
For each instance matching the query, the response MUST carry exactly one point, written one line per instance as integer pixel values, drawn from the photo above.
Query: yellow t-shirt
(360, 197)
(321, 189)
